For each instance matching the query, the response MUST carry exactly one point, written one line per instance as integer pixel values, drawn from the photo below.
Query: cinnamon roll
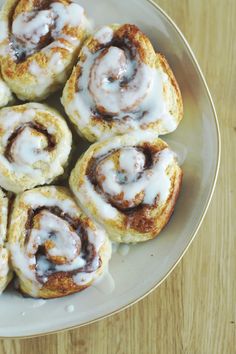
(5, 93)
(55, 249)
(39, 44)
(5, 272)
(35, 143)
(120, 84)
(129, 184)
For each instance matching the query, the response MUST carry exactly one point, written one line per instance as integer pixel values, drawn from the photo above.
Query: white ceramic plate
(147, 264)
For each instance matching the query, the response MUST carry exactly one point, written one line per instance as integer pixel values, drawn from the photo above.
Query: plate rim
(207, 204)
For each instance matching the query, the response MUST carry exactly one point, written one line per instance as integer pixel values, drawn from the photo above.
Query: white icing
(66, 243)
(36, 70)
(104, 35)
(109, 172)
(124, 249)
(133, 105)
(159, 182)
(30, 29)
(154, 182)
(79, 262)
(87, 192)
(22, 262)
(105, 283)
(110, 95)
(70, 308)
(28, 148)
(39, 303)
(32, 161)
(5, 94)
(12, 118)
(31, 26)
(128, 180)
(132, 162)
(84, 278)
(115, 247)
(58, 239)
(96, 237)
(36, 199)
(69, 15)
(55, 63)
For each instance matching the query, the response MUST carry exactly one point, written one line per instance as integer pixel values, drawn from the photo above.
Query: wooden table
(194, 310)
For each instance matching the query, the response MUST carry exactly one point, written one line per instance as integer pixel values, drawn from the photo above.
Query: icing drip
(104, 35)
(29, 27)
(5, 94)
(70, 15)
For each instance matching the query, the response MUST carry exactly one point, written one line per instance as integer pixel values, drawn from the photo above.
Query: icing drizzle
(132, 177)
(116, 86)
(37, 29)
(58, 242)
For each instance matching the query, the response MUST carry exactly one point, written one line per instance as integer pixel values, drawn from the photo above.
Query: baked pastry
(129, 184)
(39, 44)
(55, 249)
(35, 143)
(5, 93)
(5, 272)
(120, 84)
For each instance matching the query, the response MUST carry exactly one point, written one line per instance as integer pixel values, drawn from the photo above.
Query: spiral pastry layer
(35, 143)
(55, 249)
(129, 184)
(39, 44)
(120, 84)
(5, 272)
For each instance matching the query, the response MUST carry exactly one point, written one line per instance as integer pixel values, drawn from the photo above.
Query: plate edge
(157, 7)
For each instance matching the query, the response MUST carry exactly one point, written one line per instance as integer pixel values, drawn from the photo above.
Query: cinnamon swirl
(39, 44)
(55, 249)
(129, 184)
(120, 84)
(35, 143)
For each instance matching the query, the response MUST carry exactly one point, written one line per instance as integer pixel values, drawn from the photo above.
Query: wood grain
(194, 310)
